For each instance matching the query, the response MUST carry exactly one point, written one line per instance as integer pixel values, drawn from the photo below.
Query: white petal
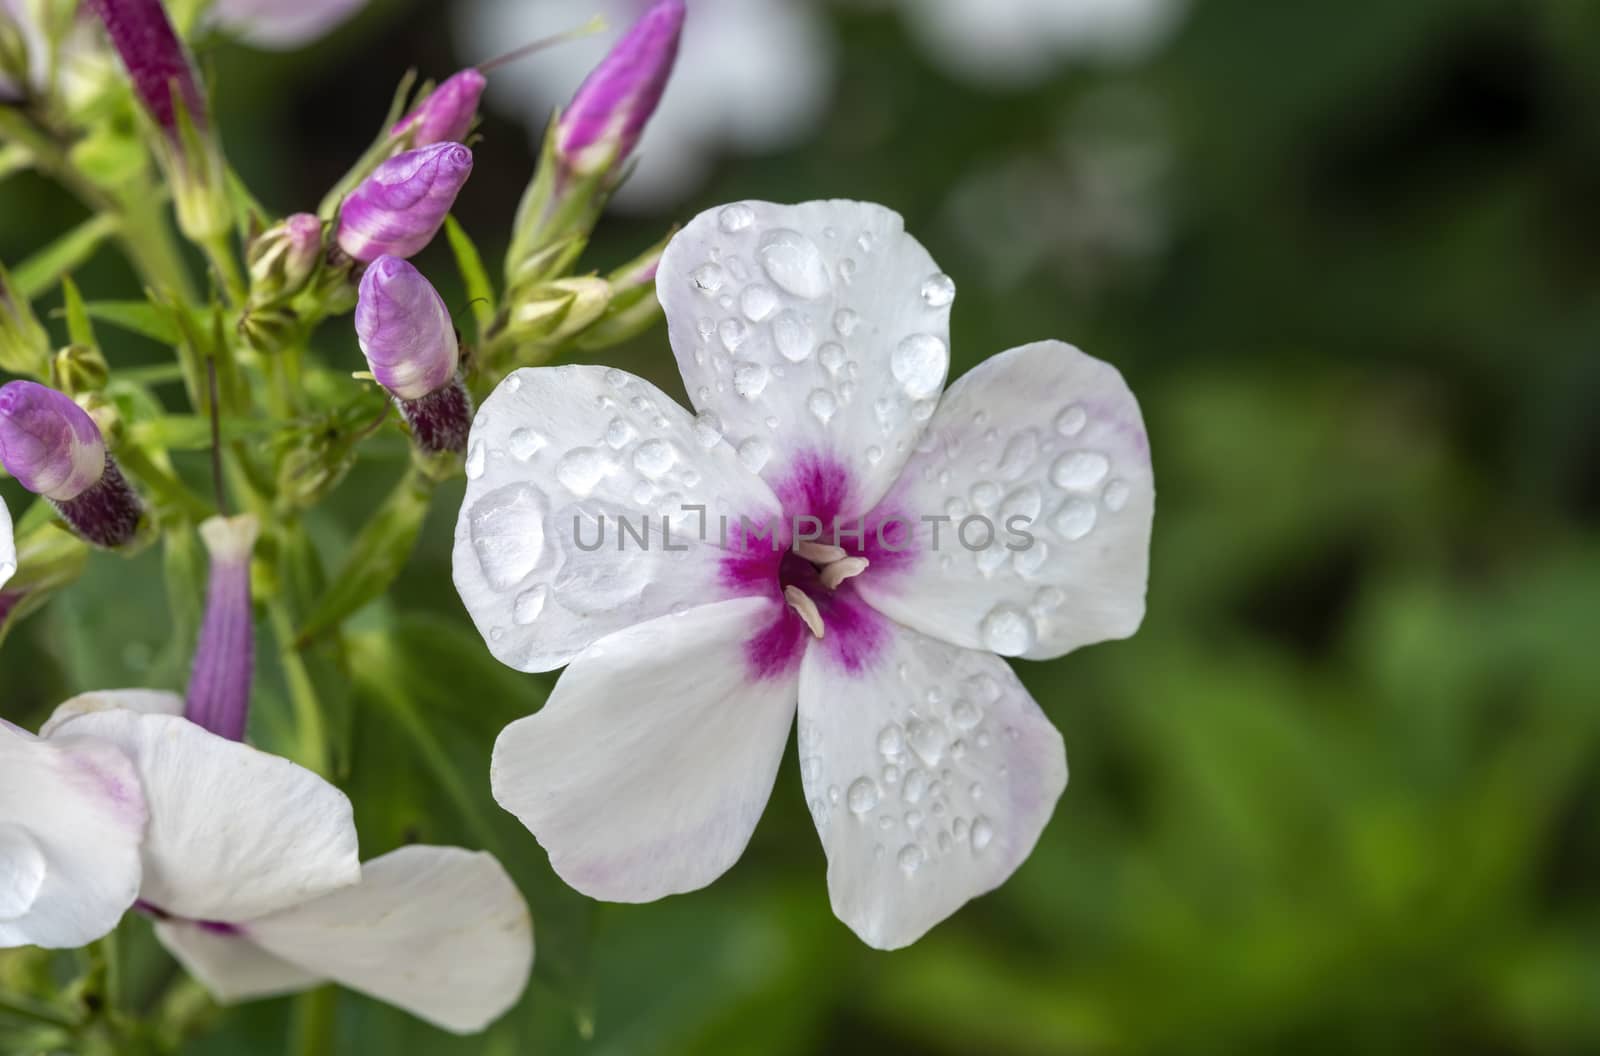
(234, 832)
(555, 444)
(71, 819)
(438, 931)
(644, 774)
(8, 545)
(143, 701)
(279, 25)
(231, 967)
(814, 332)
(930, 775)
(1053, 436)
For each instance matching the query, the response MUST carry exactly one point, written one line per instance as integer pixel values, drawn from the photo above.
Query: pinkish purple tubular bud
(224, 659)
(411, 345)
(54, 449)
(156, 60)
(405, 330)
(401, 206)
(446, 116)
(607, 116)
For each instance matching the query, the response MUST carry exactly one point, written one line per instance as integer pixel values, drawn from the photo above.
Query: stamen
(800, 603)
(839, 571)
(819, 553)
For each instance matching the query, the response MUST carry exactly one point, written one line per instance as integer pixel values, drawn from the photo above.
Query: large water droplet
(529, 604)
(1019, 455)
(477, 460)
(750, 379)
(1008, 630)
(863, 795)
(794, 262)
(736, 218)
(938, 290)
(911, 857)
(524, 444)
(582, 469)
(654, 458)
(1080, 469)
(708, 430)
(507, 531)
(754, 454)
(620, 433)
(1022, 503)
(757, 301)
(927, 737)
(890, 740)
(822, 404)
(1074, 520)
(707, 278)
(1070, 422)
(919, 363)
(792, 334)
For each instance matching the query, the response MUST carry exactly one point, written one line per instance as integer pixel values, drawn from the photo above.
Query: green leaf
(192, 432)
(376, 557)
(79, 329)
(44, 269)
(480, 291)
(137, 317)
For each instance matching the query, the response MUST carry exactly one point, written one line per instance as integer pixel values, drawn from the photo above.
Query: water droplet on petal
(911, 857)
(1019, 455)
(1080, 469)
(524, 444)
(732, 333)
(822, 404)
(582, 469)
(507, 531)
(1070, 422)
(845, 321)
(1116, 495)
(736, 218)
(863, 795)
(707, 278)
(529, 604)
(938, 290)
(792, 335)
(1007, 630)
(982, 833)
(754, 454)
(477, 460)
(708, 430)
(919, 363)
(750, 379)
(757, 302)
(832, 356)
(890, 740)
(654, 458)
(620, 433)
(1074, 520)
(795, 264)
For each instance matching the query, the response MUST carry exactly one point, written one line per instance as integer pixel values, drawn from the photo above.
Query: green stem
(219, 252)
(313, 752)
(316, 1017)
(26, 1008)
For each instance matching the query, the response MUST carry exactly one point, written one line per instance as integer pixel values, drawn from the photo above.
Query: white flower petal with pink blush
(929, 787)
(751, 74)
(813, 340)
(72, 817)
(8, 545)
(438, 931)
(1041, 439)
(645, 772)
(234, 832)
(143, 701)
(552, 451)
(815, 330)
(281, 25)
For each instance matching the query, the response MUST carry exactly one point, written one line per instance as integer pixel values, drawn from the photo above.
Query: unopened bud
(80, 369)
(399, 208)
(447, 115)
(603, 124)
(405, 330)
(557, 310)
(282, 258)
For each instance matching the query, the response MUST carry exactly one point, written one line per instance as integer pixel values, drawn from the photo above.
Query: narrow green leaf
(480, 291)
(376, 558)
(137, 317)
(192, 432)
(44, 269)
(79, 330)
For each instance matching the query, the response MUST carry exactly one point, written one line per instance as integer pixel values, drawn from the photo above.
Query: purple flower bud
(401, 206)
(54, 449)
(608, 114)
(283, 257)
(446, 116)
(156, 60)
(49, 443)
(224, 659)
(405, 330)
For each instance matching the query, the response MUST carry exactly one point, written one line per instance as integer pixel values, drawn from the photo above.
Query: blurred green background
(1342, 792)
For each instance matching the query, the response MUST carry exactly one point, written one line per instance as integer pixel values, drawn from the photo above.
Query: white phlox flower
(248, 863)
(824, 535)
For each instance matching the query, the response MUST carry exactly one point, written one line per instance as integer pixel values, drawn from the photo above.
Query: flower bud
(268, 330)
(55, 449)
(601, 127)
(405, 330)
(49, 443)
(24, 344)
(224, 659)
(80, 369)
(401, 206)
(282, 258)
(445, 116)
(556, 310)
